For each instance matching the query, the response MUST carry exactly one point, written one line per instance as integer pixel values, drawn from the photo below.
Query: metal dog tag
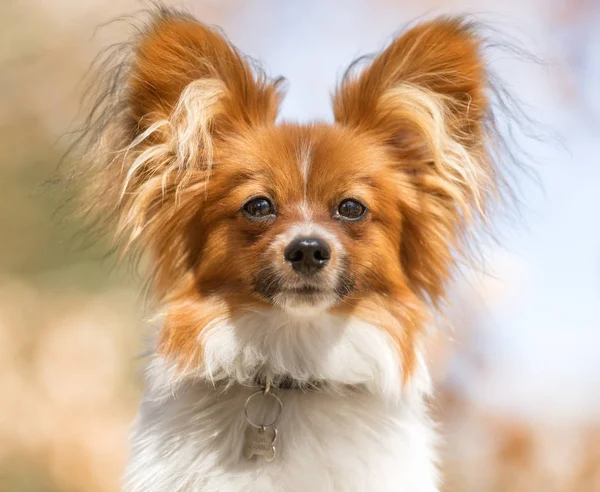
(260, 442)
(260, 437)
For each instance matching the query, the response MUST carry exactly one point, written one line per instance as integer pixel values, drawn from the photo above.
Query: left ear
(424, 99)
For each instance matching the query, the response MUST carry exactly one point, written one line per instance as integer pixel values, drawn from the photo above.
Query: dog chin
(305, 303)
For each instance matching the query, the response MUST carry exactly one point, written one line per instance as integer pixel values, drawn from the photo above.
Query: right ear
(186, 88)
(152, 134)
(180, 64)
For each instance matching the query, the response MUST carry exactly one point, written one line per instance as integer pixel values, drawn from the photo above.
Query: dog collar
(287, 382)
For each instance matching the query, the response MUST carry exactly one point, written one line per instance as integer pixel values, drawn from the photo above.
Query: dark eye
(258, 208)
(351, 209)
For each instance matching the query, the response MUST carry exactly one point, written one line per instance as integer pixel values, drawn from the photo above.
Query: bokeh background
(518, 367)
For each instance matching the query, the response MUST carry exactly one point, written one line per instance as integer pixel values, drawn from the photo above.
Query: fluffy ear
(186, 88)
(424, 99)
(181, 90)
(181, 65)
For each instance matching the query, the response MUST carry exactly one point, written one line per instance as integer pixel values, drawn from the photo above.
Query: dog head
(359, 219)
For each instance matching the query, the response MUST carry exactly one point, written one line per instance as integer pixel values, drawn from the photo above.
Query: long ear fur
(426, 98)
(180, 88)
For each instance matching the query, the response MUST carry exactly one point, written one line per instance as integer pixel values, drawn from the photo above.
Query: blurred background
(517, 370)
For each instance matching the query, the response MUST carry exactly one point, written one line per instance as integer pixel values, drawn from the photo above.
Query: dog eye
(258, 208)
(350, 209)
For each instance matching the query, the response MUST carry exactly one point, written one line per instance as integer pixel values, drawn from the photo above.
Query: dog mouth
(307, 291)
(276, 290)
(305, 297)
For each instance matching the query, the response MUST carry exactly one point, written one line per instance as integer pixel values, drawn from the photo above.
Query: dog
(296, 267)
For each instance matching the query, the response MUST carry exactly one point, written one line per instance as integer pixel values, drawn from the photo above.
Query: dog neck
(332, 354)
(288, 382)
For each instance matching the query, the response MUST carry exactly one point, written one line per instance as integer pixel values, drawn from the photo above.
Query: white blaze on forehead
(305, 211)
(304, 161)
(303, 156)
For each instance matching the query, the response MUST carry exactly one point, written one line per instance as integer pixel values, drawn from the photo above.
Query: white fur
(304, 161)
(363, 432)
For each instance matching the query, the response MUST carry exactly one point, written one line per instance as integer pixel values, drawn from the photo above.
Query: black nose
(307, 255)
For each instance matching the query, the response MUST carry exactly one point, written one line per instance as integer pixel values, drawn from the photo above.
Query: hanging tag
(260, 442)
(259, 438)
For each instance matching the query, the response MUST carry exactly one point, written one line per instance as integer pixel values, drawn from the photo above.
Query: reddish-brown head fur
(195, 138)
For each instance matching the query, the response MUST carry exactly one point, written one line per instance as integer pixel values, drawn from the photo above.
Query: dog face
(361, 218)
(301, 218)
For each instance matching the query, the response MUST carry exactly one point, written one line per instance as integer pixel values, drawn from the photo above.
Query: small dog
(297, 266)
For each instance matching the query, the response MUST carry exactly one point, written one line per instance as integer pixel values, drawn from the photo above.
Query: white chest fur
(190, 436)
(193, 442)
